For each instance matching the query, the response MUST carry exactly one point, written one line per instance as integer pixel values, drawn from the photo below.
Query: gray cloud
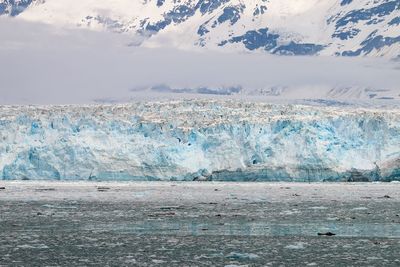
(40, 64)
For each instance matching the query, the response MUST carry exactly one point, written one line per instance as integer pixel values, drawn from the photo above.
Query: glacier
(218, 140)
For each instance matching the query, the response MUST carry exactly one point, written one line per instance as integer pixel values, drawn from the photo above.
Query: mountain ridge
(291, 27)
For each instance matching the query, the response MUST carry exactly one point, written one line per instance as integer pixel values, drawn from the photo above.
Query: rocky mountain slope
(290, 27)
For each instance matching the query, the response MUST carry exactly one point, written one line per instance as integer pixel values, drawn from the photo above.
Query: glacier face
(290, 27)
(199, 140)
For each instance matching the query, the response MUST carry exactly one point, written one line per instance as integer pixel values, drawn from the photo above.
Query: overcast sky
(40, 64)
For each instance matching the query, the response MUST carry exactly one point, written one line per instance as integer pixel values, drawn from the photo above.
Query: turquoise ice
(199, 140)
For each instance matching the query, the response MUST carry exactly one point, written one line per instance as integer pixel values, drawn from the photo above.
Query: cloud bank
(40, 64)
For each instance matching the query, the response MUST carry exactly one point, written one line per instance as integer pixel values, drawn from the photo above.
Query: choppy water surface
(199, 224)
(305, 229)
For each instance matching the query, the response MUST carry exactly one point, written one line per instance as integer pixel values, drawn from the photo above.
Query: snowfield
(290, 27)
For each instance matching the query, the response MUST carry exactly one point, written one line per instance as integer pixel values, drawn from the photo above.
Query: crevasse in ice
(199, 140)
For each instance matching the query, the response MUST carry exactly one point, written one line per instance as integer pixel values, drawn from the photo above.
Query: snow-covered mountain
(288, 27)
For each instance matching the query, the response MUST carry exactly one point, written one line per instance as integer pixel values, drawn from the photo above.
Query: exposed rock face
(290, 27)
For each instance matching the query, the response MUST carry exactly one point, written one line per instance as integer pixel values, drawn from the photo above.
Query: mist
(41, 64)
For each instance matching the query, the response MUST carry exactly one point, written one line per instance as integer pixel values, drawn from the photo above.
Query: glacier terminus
(200, 133)
(221, 140)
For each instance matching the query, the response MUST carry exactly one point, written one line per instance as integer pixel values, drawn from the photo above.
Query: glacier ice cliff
(199, 140)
